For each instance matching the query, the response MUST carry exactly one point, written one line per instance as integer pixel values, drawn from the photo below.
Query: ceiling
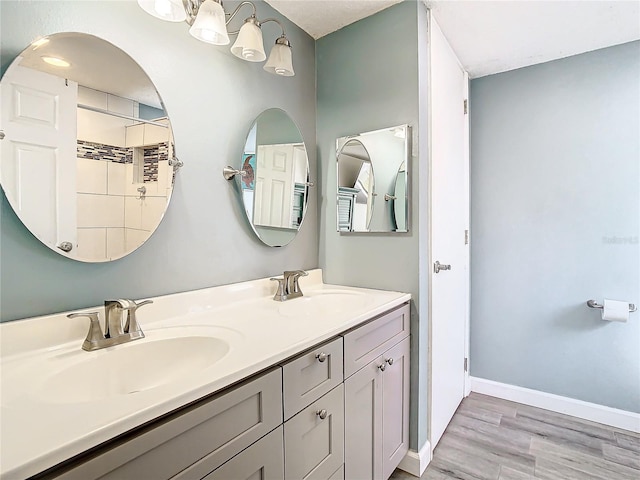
(95, 63)
(493, 36)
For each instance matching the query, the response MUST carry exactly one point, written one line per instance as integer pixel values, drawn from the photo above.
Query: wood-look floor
(493, 439)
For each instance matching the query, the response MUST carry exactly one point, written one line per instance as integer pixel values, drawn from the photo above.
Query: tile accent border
(613, 417)
(416, 463)
(101, 151)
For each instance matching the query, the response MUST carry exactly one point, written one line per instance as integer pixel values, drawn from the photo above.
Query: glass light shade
(209, 25)
(169, 10)
(279, 62)
(249, 46)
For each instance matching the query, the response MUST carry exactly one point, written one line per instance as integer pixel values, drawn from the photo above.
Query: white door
(274, 186)
(38, 154)
(449, 220)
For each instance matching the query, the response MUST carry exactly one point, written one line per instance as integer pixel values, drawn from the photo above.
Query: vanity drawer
(314, 439)
(194, 443)
(366, 343)
(310, 375)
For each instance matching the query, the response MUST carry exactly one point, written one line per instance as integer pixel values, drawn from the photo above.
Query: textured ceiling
(493, 36)
(321, 17)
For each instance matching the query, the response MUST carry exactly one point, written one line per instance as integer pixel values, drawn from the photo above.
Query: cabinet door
(314, 446)
(311, 375)
(264, 460)
(363, 423)
(338, 475)
(395, 407)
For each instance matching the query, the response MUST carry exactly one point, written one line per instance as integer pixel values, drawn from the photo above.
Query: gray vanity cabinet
(337, 411)
(377, 396)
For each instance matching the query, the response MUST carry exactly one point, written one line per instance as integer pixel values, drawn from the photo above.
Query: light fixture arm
(266, 20)
(235, 12)
(191, 8)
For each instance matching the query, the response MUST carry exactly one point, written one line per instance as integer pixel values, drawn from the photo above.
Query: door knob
(440, 266)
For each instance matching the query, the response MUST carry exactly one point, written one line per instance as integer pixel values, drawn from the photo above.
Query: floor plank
(576, 459)
(629, 458)
(494, 439)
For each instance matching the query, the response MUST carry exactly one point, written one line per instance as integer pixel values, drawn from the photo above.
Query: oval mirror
(87, 159)
(356, 187)
(275, 180)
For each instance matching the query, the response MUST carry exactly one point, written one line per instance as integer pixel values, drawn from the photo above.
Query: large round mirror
(87, 155)
(275, 180)
(356, 187)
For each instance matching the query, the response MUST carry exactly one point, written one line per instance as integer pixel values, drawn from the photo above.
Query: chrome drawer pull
(389, 361)
(382, 367)
(322, 414)
(321, 357)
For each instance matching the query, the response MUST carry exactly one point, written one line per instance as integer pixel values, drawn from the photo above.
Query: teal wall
(368, 79)
(555, 221)
(212, 99)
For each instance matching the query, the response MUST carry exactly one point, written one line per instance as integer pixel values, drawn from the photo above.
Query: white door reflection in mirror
(372, 181)
(86, 159)
(39, 112)
(275, 184)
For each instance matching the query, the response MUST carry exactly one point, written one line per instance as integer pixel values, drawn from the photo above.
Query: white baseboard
(416, 463)
(556, 403)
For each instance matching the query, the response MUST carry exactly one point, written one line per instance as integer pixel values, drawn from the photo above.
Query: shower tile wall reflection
(124, 177)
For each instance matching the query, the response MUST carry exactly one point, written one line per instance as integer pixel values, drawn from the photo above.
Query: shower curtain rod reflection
(121, 115)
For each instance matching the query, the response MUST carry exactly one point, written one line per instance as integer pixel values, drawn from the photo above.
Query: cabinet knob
(389, 361)
(382, 367)
(321, 357)
(322, 414)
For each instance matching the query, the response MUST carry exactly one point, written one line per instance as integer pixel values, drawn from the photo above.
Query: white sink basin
(164, 356)
(324, 302)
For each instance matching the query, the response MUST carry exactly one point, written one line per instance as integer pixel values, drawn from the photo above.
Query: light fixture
(209, 21)
(169, 10)
(56, 62)
(280, 62)
(249, 45)
(209, 24)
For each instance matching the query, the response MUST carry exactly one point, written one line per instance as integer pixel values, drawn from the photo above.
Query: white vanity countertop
(40, 425)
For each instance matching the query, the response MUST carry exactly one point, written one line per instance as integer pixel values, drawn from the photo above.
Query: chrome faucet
(114, 331)
(289, 286)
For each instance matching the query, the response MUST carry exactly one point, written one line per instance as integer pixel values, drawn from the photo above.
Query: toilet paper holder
(593, 304)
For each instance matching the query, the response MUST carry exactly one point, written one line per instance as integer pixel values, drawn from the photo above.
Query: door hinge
(466, 106)
(466, 237)
(466, 364)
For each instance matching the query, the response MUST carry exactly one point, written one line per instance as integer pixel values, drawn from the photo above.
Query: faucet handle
(280, 295)
(131, 325)
(95, 332)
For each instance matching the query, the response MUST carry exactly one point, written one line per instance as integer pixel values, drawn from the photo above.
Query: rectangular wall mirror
(372, 181)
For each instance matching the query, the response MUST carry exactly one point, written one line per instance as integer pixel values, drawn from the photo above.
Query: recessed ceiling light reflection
(56, 62)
